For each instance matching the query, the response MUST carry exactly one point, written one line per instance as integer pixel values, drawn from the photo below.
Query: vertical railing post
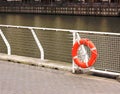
(6, 42)
(73, 64)
(38, 43)
(83, 52)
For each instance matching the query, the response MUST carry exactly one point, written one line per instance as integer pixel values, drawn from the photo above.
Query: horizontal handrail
(55, 29)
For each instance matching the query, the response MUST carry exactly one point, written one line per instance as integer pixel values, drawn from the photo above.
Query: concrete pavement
(25, 79)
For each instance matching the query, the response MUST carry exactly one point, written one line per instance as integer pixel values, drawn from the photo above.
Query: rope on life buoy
(93, 55)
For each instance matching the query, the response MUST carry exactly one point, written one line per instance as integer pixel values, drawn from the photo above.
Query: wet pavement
(25, 79)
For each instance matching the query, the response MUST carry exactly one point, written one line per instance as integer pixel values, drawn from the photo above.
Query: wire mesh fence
(57, 46)
(108, 47)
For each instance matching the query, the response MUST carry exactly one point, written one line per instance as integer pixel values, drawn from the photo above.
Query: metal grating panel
(57, 44)
(21, 41)
(3, 48)
(108, 47)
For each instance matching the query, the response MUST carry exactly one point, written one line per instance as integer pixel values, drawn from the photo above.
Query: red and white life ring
(92, 48)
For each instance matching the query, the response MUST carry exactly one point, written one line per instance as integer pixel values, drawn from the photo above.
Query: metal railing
(34, 36)
(57, 45)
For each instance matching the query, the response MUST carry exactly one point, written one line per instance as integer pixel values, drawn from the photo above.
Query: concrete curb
(36, 62)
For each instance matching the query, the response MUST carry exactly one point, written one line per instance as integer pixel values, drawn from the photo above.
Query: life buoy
(93, 55)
